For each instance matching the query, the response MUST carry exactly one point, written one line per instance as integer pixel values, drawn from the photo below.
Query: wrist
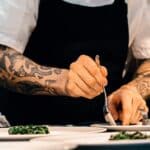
(141, 86)
(130, 87)
(56, 84)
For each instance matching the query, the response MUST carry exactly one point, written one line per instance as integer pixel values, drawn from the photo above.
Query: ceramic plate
(5, 136)
(123, 128)
(54, 131)
(92, 139)
(75, 129)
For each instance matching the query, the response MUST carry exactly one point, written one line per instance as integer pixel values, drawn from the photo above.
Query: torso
(64, 32)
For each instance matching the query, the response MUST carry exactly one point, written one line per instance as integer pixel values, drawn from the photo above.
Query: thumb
(112, 105)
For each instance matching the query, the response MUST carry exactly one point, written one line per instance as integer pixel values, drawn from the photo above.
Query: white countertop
(65, 138)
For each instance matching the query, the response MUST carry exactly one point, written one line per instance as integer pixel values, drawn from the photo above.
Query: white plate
(75, 129)
(54, 131)
(5, 136)
(92, 139)
(123, 128)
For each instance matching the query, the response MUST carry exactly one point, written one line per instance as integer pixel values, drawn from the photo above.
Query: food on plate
(28, 129)
(129, 136)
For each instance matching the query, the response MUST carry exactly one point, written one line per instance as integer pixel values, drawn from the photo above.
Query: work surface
(67, 138)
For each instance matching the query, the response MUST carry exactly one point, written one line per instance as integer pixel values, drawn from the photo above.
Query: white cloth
(90, 3)
(18, 19)
(139, 28)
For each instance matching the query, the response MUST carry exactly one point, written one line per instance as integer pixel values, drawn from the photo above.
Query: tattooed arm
(142, 79)
(127, 102)
(20, 74)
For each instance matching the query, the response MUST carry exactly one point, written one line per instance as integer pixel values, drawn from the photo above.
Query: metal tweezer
(107, 115)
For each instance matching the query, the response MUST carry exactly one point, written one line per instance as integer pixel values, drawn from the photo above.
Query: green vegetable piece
(28, 129)
(132, 136)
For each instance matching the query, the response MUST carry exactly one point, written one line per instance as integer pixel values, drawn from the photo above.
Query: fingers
(139, 106)
(94, 70)
(112, 105)
(104, 71)
(75, 91)
(126, 109)
(137, 118)
(132, 114)
(143, 105)
(126, 105)
(87, 76)
(77, 87)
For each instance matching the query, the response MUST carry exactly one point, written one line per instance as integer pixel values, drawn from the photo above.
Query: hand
(125, 105)
(86, 78)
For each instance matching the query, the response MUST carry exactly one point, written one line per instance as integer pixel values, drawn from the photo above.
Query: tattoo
(32, 87)
(143, 86)
(18, 73)
(144, 68)
(57, 71)
(142, 79)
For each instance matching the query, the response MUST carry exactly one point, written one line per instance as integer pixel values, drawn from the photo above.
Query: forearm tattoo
(142, 79)
(19, 74)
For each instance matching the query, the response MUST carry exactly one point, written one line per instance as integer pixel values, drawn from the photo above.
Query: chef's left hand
(126, 104)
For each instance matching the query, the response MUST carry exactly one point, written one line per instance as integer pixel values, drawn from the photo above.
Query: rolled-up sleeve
(17, 20)
(139, 28)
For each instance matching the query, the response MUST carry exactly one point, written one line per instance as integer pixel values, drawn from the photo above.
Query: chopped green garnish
(28, 129)
(130, 136)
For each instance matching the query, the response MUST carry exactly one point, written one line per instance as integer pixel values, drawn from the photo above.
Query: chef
(47, 60)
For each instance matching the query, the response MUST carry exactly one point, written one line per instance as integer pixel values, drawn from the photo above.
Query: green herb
(125, 135)
(28, 129)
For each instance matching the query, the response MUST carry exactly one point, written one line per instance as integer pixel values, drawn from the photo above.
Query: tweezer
(107, 115)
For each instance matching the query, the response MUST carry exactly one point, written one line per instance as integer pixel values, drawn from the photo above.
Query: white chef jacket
(18, 19)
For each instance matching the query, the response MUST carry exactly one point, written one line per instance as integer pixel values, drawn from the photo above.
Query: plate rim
(124, 127)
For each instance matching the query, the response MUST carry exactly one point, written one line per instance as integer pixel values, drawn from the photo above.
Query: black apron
(64, 32)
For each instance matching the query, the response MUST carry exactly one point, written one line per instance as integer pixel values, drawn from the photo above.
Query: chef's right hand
(86, 78)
